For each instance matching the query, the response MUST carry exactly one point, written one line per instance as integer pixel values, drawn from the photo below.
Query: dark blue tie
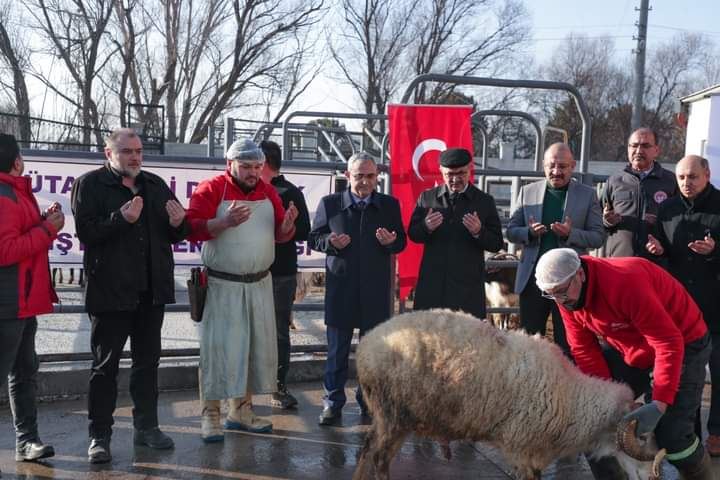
(361, 205)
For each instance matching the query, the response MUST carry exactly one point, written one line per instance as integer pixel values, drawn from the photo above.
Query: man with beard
(651, 329)
(239, 217)
(457, 223)
(551, 213)
(687, 228)
(127, 218)
(631, 197)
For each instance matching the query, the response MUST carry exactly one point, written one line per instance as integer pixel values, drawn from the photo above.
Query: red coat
(642, 312)
(25, 287)
(208, 195)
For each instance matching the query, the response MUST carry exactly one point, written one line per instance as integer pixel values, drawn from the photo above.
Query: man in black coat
(688, 226)
(457, 223)
(127, 219)
(359, 230)
(284, 268)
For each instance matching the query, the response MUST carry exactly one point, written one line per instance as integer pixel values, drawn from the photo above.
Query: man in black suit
(457, 223)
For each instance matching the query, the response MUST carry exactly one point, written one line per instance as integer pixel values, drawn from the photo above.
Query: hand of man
(56, 219)
(654, 246)
(650, 218)
(472, 223)
(236, 214)
(433, 220)
(54, 207)
(131, 210)
(536, 229)
(562, 230)
(291, 214)
(340, 240)
(647, 417)
(385, 237)
(610, 217)
(176, 212)
(704, 246)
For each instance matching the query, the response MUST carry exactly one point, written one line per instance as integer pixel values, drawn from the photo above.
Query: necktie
(453, 198)
(361, 205)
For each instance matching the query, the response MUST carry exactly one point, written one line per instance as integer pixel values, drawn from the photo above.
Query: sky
(552, 20)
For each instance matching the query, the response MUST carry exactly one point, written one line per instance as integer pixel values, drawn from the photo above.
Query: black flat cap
(455, 157)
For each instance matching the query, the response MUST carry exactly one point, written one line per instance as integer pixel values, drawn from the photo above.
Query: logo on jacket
(427, 145)
(660, 196)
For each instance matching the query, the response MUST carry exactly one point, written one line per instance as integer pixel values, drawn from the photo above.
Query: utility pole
(639, 85)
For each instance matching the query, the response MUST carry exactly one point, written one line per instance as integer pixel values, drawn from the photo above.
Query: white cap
(555, 267)
(246, 150)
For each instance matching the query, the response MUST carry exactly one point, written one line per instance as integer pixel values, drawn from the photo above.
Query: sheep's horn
(628, 442)
(656, 466)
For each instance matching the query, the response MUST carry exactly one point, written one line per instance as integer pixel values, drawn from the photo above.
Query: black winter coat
(681, 222)
(122, 259)
(452, 272)
(357, 278)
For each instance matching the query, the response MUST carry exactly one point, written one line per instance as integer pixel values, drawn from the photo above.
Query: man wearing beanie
(457, 223)
(650, 325)
(239, 218)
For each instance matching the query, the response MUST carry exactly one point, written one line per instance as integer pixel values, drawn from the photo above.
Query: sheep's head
(641, 449)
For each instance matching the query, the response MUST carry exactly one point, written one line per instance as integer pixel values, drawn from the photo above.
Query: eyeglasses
(562, 294)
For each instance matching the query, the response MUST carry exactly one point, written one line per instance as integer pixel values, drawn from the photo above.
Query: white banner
(52, 182)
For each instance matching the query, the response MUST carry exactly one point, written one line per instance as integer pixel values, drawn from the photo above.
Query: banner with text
(52, 181)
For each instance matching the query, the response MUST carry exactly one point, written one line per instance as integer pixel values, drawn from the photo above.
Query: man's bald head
(558, 165)
(693, 175)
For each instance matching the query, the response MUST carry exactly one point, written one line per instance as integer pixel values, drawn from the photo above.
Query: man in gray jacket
(632, 196)
(551, 213)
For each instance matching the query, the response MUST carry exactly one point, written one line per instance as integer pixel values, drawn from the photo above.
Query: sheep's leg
(387, 448)
(381, 445)
(365, 468)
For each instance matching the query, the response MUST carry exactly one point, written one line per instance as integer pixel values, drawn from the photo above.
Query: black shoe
(330, 417)
(99, 451)
(283, 399)
(31, 451)
(153, 438)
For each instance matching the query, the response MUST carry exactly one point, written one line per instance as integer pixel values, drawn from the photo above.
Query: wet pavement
(297, 449)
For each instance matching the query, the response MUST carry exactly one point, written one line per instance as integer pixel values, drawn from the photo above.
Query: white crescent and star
(427, 145)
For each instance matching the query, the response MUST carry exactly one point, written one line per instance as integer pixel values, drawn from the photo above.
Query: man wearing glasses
(631, 197)
(551, 213)
(457, 223)
(648, 324)
(239, 218)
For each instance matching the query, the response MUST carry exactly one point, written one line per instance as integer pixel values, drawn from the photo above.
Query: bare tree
(14, 54)
(74, 31)
(465, 37)
(368, 49)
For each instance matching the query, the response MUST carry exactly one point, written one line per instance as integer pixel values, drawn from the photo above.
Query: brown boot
(241, 417)
(703, 470)
(712, 445)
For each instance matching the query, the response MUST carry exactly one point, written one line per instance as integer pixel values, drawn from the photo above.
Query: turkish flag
(418, 133)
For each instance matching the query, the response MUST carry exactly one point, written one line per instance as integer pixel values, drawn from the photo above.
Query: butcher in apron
(239, 218)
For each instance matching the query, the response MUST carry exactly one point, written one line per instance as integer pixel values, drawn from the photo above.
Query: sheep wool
(449, 376)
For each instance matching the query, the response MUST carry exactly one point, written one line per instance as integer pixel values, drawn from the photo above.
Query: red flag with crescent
(418, 133)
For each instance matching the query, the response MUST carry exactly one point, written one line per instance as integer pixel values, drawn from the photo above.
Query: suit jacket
(452, 272)
(357, 277)
(581, 205)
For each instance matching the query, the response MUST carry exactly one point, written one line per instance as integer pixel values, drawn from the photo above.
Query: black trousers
(109, 332)
(284, 295)
(534, 310)
(714, 419)
(676, 430)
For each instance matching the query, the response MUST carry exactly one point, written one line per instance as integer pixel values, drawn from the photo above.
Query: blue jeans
(284, 295)
(336, 368)
(19, 363)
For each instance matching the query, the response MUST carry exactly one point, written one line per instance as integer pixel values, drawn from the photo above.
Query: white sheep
(449, 376)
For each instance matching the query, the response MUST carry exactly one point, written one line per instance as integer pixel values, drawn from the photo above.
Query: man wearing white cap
(650, 324)
(239, 217)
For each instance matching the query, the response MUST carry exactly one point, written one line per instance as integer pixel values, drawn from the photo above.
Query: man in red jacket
(25, 291)
(650, 324)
